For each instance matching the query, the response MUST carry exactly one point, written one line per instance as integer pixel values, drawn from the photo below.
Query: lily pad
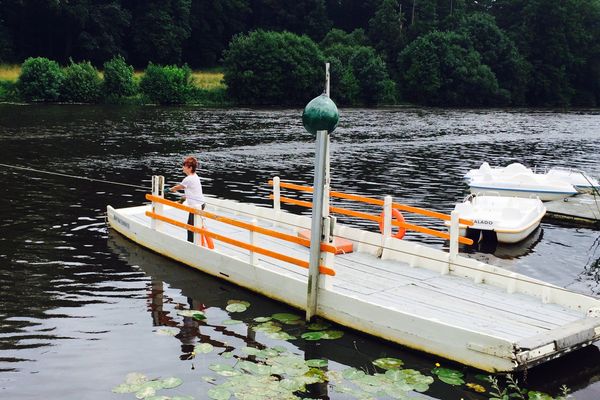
(227, 354)
(262, 319)
(126, 388)
(145, 392)
(353, 374)
(203, 348)
(449, 376)
(331, 335)
(223, 369)
(388, 363)
(244, 302)
(251, 351)
(231, 322)
(268, 327)
(192, 313)
(478, 388)
(171, 382)
(286, 317)
(281, 336)
(318, 326)
(312, 336)
(236, 307)
(219, 393)
(166, 332)
(316, 363)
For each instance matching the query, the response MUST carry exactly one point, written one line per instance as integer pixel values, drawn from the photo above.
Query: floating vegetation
(449, 376)
(285, 317)
(318, 335)
(231, 322)
(476, 387)
(318, 326)
(267, 327)
(203, 348)
(388, 363)
(236, 307)
(262, 319)
(197, 315)
(146, 389)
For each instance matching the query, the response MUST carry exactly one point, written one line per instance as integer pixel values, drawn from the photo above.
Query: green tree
(159, 29)
(386, 31)
(40, 80)
(441, 68)
(81, 83)
(118, 78)
(499, 53)
(213, 24)
(273, 68)
(166, 84)
(339, 37)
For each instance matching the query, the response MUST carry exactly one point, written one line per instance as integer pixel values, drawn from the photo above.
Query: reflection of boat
(519, 181)
(512, 219)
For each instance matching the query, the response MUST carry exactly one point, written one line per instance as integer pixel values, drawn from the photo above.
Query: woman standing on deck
(192, 189)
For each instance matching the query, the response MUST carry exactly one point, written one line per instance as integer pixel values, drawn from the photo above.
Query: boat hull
(525, 193)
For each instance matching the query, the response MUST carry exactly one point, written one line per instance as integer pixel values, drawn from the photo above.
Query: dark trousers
(190, 234)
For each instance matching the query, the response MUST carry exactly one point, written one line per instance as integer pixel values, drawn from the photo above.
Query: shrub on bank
(273, 68)
(40, 80)
(81, 84)
(118, 79)
(8, 91)
(166, 84)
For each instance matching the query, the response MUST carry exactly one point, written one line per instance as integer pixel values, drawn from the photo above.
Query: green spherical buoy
(320, 114)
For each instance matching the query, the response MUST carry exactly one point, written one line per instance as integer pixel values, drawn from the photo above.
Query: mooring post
(158, 189)
(276, 195)
(316, 229)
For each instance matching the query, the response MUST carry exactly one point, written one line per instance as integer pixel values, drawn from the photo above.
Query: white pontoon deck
(424, 298)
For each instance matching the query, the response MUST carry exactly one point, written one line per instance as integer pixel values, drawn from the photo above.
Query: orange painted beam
(377, 202)
(243, 245)
(240, 224)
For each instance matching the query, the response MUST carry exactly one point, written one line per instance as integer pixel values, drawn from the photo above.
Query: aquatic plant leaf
(155, 384)
(318, 326)
(269, 327)
(199, 315)
(244, 302)
(281, 336)
(262, 319)
(477, 387)
(285, 317)
(227, 354)
(135, 378)
(316, 363)
(219, 393)
(181, 398)
(388, 363)
(236, 307)
(203, 348)
(209, 379)
(255, 368)
(166, 332)
(223, 369)
(231, 322)
(312, 336)
(279, 349)
(145, 392)
(251, 351)
(267, 353)
(482, 378)
(314, 375)
(125, 388)
(454, 381)
(534, 395)
(449, 376)
(331, 335)
(159, 398)
(352, 374)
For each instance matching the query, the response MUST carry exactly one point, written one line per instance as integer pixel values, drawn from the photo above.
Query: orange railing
(376, 218)
(250, 227)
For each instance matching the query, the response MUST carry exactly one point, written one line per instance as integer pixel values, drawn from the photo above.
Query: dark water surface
(81, 307)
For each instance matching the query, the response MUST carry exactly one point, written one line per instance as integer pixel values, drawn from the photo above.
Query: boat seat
(343, 246)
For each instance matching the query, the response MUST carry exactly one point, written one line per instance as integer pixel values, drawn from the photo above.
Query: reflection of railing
(251, 227)
(387, 205)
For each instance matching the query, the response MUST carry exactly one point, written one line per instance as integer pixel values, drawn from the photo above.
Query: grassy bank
(209, 89)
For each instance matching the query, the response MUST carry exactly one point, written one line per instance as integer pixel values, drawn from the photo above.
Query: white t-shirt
(193, 190)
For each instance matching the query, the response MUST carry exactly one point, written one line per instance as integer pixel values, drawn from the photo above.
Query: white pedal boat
(512, 218)
(516, 180)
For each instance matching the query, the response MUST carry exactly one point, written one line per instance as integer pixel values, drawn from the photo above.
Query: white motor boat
(511, 218)
(516, 180)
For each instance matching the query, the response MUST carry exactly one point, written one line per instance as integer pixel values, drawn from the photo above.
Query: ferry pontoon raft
(428, 299)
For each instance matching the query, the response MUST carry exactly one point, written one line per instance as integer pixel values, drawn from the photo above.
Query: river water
(81, 307)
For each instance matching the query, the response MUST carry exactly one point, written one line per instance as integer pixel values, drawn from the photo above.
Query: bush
(359, 76)
(273, 68)
(40, 80)
(215, 97)
(166, 84)
(82, 83)
(118, 78)
(8, 91)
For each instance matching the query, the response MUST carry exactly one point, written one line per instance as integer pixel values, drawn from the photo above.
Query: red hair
(191, 162)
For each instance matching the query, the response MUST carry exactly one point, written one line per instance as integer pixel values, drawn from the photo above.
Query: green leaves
(449, 376)
(388, 363)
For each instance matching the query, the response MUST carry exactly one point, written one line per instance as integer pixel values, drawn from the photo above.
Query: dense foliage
(40, 80)
(166, 84)
(516, 52)
(273, 68)
(81, 84)
(118, 78)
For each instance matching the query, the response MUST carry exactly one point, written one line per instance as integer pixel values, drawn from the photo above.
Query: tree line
(434, 52)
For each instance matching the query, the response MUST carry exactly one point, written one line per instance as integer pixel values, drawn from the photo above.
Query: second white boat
(511, 218)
